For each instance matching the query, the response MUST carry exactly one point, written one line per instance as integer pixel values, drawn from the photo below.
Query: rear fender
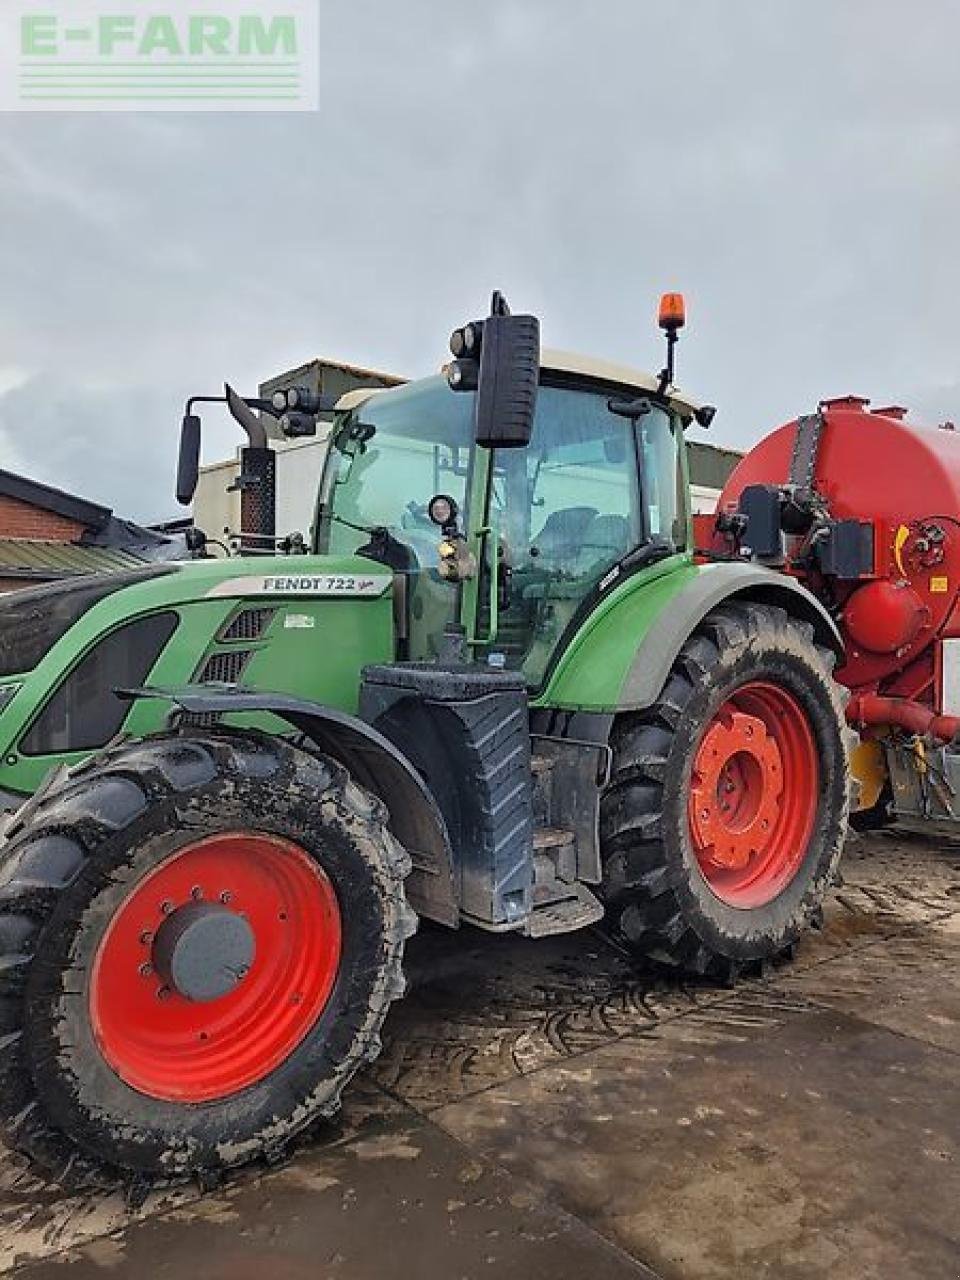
(713, 585)
(373, 762)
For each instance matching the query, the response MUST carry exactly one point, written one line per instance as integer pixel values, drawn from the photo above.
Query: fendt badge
(322, 584)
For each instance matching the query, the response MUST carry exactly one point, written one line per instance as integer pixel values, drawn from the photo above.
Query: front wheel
(727, 808)
(200, 937)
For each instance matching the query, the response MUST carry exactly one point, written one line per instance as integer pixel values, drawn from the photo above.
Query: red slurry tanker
(863, 507)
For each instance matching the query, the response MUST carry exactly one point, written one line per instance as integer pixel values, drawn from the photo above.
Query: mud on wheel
(727, 807)
(200, 937)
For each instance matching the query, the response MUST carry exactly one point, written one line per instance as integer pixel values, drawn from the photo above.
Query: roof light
(672, 314)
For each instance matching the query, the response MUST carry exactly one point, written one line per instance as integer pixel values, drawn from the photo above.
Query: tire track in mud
(484, 1010)
(530, 1005)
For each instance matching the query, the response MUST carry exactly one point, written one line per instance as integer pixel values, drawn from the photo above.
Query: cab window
(591, 487)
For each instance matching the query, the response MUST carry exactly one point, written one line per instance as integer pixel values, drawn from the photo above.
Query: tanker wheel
(200, 936)
(727, 806)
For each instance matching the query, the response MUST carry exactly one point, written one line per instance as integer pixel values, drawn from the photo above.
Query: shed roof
(44, 496)
(38, 560)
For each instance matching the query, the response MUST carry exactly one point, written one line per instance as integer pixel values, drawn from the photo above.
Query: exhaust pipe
(257, 481)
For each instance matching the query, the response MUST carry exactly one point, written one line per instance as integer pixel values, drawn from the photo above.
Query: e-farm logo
(172, 55)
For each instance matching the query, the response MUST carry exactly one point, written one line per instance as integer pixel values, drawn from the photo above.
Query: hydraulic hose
(871, 710)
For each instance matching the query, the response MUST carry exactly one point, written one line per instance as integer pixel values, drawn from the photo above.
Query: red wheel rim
(169, 1046)
(753, 795)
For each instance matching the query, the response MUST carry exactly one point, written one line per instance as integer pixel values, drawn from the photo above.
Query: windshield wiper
(369, 529)
(652, 551)
(382, 547)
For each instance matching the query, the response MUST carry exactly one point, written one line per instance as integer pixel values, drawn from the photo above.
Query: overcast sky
(793, 167)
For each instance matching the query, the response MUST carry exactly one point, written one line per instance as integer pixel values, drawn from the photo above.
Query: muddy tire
(200, 937)
(727, 807)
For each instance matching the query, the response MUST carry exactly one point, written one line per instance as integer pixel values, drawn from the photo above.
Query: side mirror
(509, 376)
(188, 462)
(499, 358)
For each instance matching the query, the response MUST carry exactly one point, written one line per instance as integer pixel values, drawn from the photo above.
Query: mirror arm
(255, 402)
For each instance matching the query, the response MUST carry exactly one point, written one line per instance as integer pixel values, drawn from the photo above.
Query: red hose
(871, 710)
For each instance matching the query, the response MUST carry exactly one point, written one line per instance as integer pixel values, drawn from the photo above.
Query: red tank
(903, 481)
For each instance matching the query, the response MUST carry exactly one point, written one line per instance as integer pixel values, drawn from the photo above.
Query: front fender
(373, 762)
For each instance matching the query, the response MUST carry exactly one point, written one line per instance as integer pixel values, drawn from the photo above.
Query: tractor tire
(727, 806)
(200, 937)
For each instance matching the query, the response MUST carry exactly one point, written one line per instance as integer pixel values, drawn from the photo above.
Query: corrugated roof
(36, 559)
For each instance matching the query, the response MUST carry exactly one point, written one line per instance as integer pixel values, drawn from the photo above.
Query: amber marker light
(673, 312)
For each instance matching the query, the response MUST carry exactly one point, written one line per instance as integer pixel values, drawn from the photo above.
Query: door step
(566, 914)
(560, 902)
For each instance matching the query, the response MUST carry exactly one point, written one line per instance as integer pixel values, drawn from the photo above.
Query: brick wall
(21, 520)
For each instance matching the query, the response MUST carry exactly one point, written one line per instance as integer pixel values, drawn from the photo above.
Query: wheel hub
(736, 788)
(215, 966)
(203, 950)
(754, 794)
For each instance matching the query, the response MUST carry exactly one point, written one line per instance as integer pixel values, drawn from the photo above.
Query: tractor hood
(298, 625)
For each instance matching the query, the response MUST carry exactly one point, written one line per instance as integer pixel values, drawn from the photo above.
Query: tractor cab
(507, 547)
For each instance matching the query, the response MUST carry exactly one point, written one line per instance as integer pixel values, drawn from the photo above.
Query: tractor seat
(559, 541)
(605, 539)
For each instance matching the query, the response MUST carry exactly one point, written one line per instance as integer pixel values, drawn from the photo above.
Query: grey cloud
(792, 167)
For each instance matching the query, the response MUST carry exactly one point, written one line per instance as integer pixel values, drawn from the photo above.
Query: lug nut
(146, 970)
(196, 893)
(163, 993)
(225, 896)
(166, 907)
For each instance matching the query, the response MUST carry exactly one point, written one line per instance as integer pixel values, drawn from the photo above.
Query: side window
(84, 713)
(661, 478)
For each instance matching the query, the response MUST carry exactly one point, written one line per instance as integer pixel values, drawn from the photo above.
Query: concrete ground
(543, 1109)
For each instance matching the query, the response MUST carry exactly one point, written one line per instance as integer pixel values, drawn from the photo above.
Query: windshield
(589, 489)
(388, 458)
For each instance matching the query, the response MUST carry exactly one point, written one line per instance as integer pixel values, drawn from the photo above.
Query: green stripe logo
(119, 55)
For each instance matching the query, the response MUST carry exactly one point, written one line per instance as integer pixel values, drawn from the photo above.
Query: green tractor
(499, 690)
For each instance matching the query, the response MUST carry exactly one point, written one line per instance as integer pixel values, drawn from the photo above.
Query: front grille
(224, 668)
(249, 625)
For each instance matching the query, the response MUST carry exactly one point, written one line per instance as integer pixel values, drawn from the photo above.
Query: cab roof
(622, 375)
(568, 362)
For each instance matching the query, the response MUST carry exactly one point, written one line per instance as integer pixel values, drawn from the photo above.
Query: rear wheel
(200, 937)
(727, 807)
